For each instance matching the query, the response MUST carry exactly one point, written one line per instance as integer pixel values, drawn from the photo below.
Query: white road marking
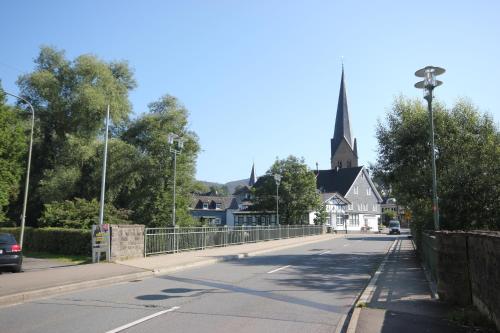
(124, 327)
(324, 252)
(278, 269)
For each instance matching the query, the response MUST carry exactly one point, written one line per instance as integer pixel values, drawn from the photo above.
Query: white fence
(170, 240)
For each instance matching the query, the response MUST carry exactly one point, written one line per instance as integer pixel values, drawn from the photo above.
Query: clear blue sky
(261, 78)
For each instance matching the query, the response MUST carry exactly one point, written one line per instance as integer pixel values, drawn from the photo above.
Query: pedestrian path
(402, 300)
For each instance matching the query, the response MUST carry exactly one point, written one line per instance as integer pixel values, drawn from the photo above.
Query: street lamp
(429, 74)
(25, 200)
(277, 179)
(172, 138)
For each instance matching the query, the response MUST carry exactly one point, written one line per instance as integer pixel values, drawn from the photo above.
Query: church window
(348, 164)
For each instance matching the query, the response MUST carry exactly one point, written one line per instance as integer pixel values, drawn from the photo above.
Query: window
(368, 191)
(205, 205)
(218, 206)
(374, 207)
(356, 190)
(216, 221)
(353, 220)
(350, 207)
(348, 164)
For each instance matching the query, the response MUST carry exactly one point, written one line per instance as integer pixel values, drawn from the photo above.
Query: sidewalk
(22, 287)
(401, 300)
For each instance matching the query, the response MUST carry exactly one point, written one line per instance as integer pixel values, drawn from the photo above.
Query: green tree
(13, 148)
(80, 214)
(70, 99)
(297, 190)
(152, 201)
(321, 216)
(468, 168)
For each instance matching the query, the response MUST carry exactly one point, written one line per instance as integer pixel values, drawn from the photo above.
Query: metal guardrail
(170, 240)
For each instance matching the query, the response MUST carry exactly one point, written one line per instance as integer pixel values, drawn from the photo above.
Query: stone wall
(468, 270)
(127, 241)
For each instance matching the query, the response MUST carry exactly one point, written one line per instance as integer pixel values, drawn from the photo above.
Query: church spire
(252, 180)
(343, 149)
(342, 124)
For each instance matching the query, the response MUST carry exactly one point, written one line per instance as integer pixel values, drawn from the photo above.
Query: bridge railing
(171, 240)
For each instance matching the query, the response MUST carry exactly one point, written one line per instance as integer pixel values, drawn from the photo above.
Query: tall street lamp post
(277, 179)
(26, 186)
(172, 139)
(429, 74)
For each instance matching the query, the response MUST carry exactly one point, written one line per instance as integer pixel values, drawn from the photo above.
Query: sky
(261, 78)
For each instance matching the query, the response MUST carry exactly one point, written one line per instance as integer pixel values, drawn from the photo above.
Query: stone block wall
(468, 270)
(484, 266)
(127, 241)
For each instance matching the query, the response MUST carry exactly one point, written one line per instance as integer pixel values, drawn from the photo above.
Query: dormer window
(218, 206)
(205, 205)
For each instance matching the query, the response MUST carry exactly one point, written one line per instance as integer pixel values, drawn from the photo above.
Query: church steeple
(342, 124)
(252, 180)
(343, 149)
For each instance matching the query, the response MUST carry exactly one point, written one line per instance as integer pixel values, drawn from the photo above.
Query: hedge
(54, 240)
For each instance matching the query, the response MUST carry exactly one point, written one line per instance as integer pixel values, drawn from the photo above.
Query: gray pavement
(402, 298)
(307, 288)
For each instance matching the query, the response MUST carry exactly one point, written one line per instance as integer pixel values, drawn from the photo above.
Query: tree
(70, 99)
(468, 168)
(297, 190)
(13, 148)
(153, 200)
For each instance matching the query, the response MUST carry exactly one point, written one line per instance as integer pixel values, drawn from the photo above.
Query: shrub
(54, 240)
(80, 214)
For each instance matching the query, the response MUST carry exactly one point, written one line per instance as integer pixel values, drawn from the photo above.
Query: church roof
(251, 181)
(342, 124)
(335, 180)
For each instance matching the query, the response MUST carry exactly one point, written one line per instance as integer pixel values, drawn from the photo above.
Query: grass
(70, 259)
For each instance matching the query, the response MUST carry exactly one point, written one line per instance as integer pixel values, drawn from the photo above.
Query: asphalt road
(301, 289)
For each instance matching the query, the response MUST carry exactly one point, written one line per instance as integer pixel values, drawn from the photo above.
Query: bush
(54, 240)
(80, 214)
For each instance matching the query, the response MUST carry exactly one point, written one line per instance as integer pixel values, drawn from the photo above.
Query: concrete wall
(468, 270)
(127, 241)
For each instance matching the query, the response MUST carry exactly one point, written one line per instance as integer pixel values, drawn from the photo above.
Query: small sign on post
(100, 242)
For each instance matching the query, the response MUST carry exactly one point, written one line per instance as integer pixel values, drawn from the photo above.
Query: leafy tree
(297, 190)
(80, 214)
(468, 168)
(13, 148)
(321, 215)
(152, 201)
(70, 99)
(389, 215)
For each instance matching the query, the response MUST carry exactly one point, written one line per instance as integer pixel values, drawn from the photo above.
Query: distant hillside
(231, 186)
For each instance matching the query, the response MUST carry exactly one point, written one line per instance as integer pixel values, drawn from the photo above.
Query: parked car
(394, 227)
(11, 256)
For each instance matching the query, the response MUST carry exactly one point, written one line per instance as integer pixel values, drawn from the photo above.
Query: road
(303, 289)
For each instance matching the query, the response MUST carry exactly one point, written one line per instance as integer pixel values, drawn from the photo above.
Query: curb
(13, 299)
(352, 317)
(51, 291)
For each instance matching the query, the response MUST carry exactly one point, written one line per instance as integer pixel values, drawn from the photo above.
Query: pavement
(36, 282)
(399, 298)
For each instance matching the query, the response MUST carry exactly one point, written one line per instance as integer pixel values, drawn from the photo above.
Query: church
(346, 180)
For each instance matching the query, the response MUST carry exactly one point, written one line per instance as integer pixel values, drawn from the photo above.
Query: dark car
(11, 256)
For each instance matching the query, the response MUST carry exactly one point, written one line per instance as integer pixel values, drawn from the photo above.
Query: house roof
(341, 180)
(328, 195)
(226, 202)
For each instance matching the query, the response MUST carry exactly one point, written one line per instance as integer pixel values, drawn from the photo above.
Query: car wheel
(17, 269)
